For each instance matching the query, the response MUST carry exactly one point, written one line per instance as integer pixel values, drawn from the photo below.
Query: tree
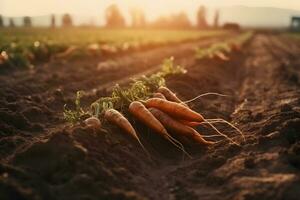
(201, 17)
(52, 21)
(1, 21)
(137, 18)
(11, 23)
(161, 22)
(175, 21)
(181, 21)
(27, 21)
(216, 19)
(67, 20)
(114, 17)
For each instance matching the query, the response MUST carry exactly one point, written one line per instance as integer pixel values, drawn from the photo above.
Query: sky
(152, 8)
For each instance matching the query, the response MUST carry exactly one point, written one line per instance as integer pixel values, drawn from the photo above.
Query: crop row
(222, 49)
(25, 47)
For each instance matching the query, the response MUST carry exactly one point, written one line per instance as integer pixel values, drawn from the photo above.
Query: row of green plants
(23, 48)
(18, 55)
(25, 55)
(223, 48)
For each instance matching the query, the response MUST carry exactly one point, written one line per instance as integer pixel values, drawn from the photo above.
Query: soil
(42, 157)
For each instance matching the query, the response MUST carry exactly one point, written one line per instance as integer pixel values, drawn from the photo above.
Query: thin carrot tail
(202, 140)
(144, 148)
(211, 136)
(228, 123)
(202, 95)
(177, 144)
(217, 142)
(225, 136)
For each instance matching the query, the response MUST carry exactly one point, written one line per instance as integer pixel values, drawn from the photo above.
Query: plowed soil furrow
(32, 101)
(267, 165)
(262, 83)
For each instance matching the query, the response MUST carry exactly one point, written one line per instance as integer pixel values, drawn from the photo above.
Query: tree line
(115, 19)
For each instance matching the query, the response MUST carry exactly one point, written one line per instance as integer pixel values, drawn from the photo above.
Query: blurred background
(148, 13)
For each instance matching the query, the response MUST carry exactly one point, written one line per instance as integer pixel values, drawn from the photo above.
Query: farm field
(44, 156)
(25, 47)
(84, 36)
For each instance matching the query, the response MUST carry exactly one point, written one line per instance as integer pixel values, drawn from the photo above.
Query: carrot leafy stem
(75, 115)
(140, 89)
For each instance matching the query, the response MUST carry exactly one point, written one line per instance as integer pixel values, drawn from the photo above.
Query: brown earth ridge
(42, 157)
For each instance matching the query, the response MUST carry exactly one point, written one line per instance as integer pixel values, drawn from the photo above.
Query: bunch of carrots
(153, 104)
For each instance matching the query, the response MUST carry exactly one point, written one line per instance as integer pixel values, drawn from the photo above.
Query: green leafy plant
(223, 47)
(75, 115)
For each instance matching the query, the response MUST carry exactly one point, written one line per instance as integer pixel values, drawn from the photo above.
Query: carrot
(159, 95)
(138, 110)
(180, 112)
(178, 127)
(174, 109)
(193, 124)
(190, 124)
(118, 119)
(93, 122)
(66, 53)
(221, 56)
(170, 96)
(209, 123)
(235, 47)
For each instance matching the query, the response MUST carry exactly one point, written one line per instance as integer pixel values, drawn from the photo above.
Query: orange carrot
(170, 96)
(138, 110)
(174, 109)
(180, 112)
(93, 122)
(209, 123)
(118, 119)
(190, 124)
(159, 95)
(235, 47)
(221, 56)
(178, 127)
(66, 53)
(193, 124)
